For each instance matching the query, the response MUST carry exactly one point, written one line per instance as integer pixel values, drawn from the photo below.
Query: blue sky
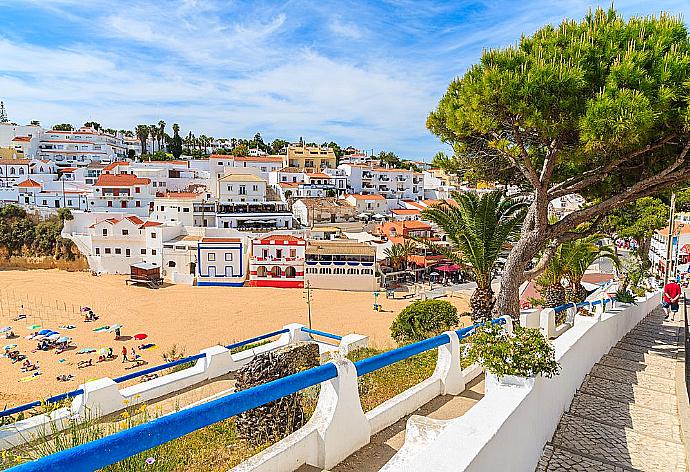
(360, 73)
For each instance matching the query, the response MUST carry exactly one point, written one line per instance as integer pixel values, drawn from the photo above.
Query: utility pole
(669, 241)
(308, 298)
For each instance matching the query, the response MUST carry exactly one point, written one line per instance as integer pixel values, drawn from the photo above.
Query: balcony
(366, 175)
(384, 178)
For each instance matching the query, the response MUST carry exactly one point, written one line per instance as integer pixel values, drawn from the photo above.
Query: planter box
(492, 382)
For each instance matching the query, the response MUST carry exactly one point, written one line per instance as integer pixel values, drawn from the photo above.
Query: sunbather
(82, 364)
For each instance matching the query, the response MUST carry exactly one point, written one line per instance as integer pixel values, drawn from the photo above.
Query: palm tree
(161, 133)
(142, 132)
(477, 228)
(581, 254)
(569, 263)
(153, 132)
(398, 254)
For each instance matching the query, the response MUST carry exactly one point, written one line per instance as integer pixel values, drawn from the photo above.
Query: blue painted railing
(561, 308)
(134, 375)
(322, 333)
(256, 339)
(116, 447)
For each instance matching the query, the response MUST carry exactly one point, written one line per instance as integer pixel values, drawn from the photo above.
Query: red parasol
(140, 336)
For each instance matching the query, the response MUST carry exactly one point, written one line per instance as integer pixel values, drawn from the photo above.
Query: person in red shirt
(671, 299)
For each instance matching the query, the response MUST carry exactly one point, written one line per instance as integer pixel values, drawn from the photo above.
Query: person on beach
(671, 299)
(124, 354)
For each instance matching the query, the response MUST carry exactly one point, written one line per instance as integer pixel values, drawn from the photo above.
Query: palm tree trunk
(482, 303)
(555, 295)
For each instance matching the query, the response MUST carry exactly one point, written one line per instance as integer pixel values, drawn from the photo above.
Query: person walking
(124, 354)
(671, 299)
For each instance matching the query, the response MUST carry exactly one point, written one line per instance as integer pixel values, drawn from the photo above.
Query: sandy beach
(191, 318)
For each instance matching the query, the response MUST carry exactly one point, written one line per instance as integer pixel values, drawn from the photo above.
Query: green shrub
(525, 352)
(624, 296)
(423, 319)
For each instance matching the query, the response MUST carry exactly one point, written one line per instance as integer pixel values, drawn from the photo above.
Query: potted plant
(513, 358)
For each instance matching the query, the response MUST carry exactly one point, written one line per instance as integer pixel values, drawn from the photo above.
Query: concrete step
(558, 459)
(622, 447)
(646, 358)
(665, 370)
(669, 351)
(640, 379)
(655, 423)
(626, 393)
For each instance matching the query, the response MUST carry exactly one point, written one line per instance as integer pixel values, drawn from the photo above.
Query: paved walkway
(624, 416)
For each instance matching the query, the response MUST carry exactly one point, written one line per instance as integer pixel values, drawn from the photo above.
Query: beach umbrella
(63, 339)
(379, 216)
(434, 274)
(54, 337)
(114, 327)
(363, 215)
(140, 336)
(10, 346)
(44, 332)
(5, 329)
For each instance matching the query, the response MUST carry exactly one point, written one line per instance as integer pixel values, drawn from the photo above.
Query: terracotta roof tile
(120, 180)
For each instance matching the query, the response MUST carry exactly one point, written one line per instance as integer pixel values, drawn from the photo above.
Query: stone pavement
(625, 417)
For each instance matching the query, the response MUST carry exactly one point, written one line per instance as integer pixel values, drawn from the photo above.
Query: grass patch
(247, 347)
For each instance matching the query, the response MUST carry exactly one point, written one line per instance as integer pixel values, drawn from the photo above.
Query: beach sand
(191, 318)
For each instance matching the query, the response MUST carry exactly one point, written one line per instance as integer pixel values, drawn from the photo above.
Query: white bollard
(352, 342)
(340, 422)
(295, 334)
(101, 397)
(448, 366)
(218, 362)
(547, 322)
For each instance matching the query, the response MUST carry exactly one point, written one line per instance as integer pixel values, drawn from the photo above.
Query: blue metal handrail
(121, 445)
(150, 370)
(322, 333)
(116, 447)
(258, 338)
(133, 375)
(53, 399)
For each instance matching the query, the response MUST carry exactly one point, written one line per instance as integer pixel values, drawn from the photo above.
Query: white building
(370, 204)
(222, 261)
(124, 193)
(22, 138)
(277, 261)
(310, 211)
(341, 265)
(79, 148)
(241, 188)
(13, 171)
(180, 207)
(393, 184)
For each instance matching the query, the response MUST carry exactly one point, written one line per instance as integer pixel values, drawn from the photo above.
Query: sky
(359, 73)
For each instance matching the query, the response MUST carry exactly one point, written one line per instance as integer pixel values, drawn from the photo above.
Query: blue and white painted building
(222, 261)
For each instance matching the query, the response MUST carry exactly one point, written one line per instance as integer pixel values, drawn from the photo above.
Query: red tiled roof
(120, 180)
(360, 196)
(29, 183)
(180, 195)
(22, 138)
(220, 240)
(318, 175)
(135, 219)
(149, 224)
(281, 237)
(112, 165)
(14, 162)
(406, 211)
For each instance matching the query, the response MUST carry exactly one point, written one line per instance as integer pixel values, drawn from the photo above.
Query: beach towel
(62, 360)
(148, 346)
(86, 350)
(102, 328)
(30, 377)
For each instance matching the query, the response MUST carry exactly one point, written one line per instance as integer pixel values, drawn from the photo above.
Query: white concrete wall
(103, 396)
(509, 427)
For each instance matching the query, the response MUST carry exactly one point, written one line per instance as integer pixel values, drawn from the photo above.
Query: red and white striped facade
(277, 261)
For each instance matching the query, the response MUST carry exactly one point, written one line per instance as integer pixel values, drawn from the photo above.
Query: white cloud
(345, 30)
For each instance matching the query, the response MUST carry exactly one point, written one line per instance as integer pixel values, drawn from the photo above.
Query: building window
(261, 271)
(98, 251)
(243, 190)
(171, 263)
(107, 250)
(153, 235)
(143, 252)
(255, 188)
(211, 256)
(105, 231)
(185, 210)
(138, 204)
(228, 256)
(118, 250)
(293, 253)
(137, 190)
(127, 253)
(153, 252)
(110, 203)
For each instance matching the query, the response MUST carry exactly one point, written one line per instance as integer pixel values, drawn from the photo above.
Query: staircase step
(667, 371)
(557, 459)
(627, 415)
(648, 341)
(627, 393)
(640, 379)
(643, 357)
(620, 446)
(671, 352)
